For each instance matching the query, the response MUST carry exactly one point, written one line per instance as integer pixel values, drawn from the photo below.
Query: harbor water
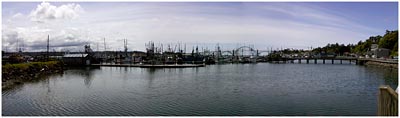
(229, 89)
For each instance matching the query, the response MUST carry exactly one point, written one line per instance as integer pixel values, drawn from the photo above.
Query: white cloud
(17, 15)
(46, 11)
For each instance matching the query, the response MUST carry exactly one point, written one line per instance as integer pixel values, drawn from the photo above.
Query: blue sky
(264, 25)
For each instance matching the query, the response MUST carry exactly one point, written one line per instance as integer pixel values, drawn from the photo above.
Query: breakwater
(383, 65)
(14, 74)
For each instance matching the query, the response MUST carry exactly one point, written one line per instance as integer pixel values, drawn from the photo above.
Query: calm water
(233, 89)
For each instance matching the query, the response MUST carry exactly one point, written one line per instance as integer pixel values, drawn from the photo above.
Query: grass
(25, 66)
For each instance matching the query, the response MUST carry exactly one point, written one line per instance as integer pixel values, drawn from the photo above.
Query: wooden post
(387, 101)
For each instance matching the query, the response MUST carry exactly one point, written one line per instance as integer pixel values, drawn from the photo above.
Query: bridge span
(315, 59)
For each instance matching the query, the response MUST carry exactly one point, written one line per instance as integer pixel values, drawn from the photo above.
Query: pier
(315, 59)
(332, 60)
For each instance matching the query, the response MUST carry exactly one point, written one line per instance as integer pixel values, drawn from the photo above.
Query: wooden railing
(387, 101)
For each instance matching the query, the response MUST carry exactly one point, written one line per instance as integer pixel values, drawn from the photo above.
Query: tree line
(388, 41)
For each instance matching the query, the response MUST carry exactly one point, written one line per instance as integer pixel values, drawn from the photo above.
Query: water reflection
(390, 76)
(43, 80)
(151, 75)
(86, 73)
(14, 89)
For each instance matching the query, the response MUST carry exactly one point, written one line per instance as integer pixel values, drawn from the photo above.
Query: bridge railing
(387, 101)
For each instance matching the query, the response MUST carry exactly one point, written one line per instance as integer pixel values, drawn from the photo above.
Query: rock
(33, 71)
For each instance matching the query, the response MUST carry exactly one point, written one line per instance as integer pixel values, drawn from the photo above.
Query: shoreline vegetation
(363, 48)
(388, 41)
(15, 74)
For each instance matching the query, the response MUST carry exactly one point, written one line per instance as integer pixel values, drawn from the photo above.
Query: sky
(262, 25)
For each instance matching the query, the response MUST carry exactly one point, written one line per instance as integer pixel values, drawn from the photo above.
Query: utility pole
(48, 41)
(23, 47)
(105, 44)
(126, 47)
(105, 53)
(16, 48)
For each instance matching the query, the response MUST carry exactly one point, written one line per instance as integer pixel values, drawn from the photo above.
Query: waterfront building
(377, 52)
(380, 52)
(76, 59)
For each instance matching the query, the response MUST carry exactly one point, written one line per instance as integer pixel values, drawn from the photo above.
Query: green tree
(390, 41)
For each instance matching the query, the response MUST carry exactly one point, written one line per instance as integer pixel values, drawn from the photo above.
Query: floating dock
(152, 66)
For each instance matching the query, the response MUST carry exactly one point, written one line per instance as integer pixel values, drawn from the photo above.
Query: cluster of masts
(157, 48)
(174, 48)
(160, 48)
(169, 48)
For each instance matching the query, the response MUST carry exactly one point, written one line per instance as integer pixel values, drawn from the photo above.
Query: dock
(152, 66)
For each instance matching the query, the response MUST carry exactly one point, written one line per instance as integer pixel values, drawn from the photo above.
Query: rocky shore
(14, 74)
(382, 65)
